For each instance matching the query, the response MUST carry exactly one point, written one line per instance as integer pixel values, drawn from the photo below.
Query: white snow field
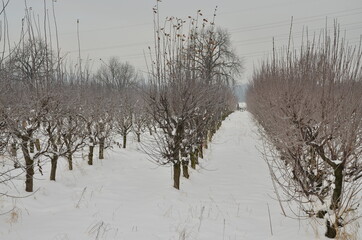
(128, 197)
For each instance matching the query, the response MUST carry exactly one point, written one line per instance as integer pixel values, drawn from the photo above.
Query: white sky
(124, 28)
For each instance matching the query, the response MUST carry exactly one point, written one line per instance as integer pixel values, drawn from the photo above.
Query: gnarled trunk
(176, 175)
(31, 146)
(185, 163)
(29, 165)
(70, 161)
(90, 155)
(13, 150)
(201, 151)
(193, 159)
(210, 134)
(205, 143)
(138, 137)
(337, 192)
(331, 230)
(53, 171)
(37, 144)
(185, 169)
(101, 148)
(124, 140)
(14, 154)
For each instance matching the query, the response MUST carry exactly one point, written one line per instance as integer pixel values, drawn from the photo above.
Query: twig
(202, 212)
(223, 231)
(270, 221)
(77, 206)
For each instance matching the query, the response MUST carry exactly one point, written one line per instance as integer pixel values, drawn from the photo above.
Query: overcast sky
(124, 28)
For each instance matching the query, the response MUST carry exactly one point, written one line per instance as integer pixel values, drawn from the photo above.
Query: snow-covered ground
(127, 197)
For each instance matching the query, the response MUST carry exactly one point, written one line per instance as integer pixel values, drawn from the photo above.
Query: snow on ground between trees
(127, 197)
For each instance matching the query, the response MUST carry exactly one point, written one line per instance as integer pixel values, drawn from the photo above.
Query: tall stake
(79, 57)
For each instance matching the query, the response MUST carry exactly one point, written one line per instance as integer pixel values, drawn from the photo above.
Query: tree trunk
(210, 134)
(29, 164)
(185, 169)
(201, 151)
(176, 175)
(37, 144)
(205, 144)
(193, 159)
(138, 137)
(13, 150)
(90, 155)
(70, 161)
(53, 171)
(337, 192)
(31, 146)
(14, 154)
(185, 163)
(331, 230)
(101, 148)
(124, 140)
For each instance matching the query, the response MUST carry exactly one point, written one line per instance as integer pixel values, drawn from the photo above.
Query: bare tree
(62, 128)
(120, 78)
(105, 124)
(116, 75)
(96, 111)
(30, 69)
(32, 64)
(23, 120)
(124, 115)
(71, 127)
(50, 129)
(180, 98)
(25, 74)
(140, 115)
(215, 58)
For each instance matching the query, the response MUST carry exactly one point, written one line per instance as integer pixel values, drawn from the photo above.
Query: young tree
(71, 127)
(23, 120)
(50, 129)
(124, 115)
(62, 128)
(106, 123)
(140, 116)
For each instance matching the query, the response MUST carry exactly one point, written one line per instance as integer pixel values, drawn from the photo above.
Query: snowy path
(240, 186)
(127, 197)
